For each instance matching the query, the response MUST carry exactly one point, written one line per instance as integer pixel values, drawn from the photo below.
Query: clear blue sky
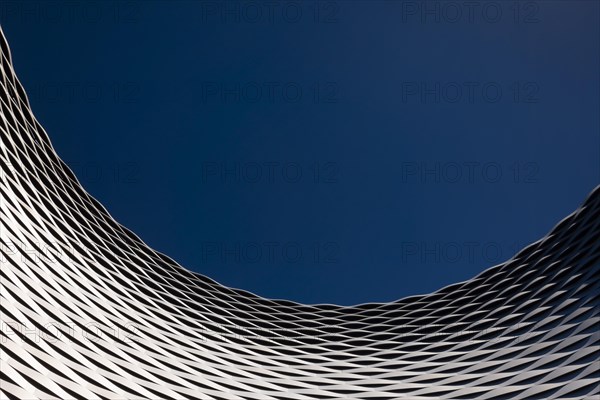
(338, 152)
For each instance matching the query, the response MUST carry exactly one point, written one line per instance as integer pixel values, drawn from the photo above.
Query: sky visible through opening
(322, 152)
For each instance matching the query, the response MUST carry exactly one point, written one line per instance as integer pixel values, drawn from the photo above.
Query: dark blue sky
(338, 152)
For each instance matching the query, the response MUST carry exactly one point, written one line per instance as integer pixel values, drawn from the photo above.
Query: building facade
(89, 311)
